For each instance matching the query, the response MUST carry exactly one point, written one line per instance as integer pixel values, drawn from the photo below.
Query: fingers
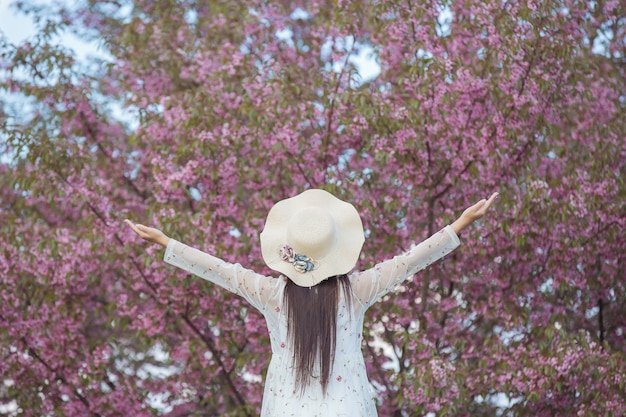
(139, 229)
(491, 199)
(132, 225)
(129, 224)
(479, 205)
(486, 203)
(479, 209)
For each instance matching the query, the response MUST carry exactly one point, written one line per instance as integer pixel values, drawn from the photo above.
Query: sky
(17, 27)
(13, 26)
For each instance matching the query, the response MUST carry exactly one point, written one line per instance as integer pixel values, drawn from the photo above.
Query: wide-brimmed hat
(311, 237)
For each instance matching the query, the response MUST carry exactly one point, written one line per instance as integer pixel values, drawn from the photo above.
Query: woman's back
(348, 391)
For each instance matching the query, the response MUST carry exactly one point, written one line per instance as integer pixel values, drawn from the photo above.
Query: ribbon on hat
(301, 263)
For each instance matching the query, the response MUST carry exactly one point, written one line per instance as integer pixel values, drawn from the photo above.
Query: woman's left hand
(473, 213)
(479, 209)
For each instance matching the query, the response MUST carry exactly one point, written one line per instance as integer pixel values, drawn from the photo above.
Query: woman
(315, 313)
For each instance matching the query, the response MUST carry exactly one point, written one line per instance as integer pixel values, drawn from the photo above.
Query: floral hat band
(301, 263)
(312, 237)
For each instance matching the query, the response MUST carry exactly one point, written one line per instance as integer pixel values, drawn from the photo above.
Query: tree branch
(225, 374)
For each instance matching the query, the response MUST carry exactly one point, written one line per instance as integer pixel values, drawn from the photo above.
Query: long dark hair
(312, 327)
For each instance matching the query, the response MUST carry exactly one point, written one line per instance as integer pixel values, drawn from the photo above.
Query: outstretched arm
(369, 286)
(257, 289)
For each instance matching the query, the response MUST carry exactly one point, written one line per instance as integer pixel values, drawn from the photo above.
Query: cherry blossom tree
(197, 116)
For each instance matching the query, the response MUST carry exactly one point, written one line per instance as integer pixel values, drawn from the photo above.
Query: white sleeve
(370, 285)
(257, 289)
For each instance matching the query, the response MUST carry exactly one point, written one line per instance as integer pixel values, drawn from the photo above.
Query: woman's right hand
(149, 234)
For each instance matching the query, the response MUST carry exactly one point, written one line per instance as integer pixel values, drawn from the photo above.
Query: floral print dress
(349, 392)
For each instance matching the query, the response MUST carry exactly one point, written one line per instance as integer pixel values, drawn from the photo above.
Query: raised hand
(473, 213)
(479, 209)
(149, 234)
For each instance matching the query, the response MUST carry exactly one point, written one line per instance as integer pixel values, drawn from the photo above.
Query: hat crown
(311, 231)
(311, 237)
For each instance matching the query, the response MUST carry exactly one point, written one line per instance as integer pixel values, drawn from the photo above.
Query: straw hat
(311, 237)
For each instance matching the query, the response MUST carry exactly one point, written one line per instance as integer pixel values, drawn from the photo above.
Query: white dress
(349, 391)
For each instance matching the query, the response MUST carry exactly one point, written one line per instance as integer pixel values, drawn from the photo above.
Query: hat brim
(341, 257)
